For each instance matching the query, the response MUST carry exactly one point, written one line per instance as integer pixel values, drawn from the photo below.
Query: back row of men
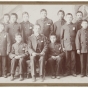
(59, 38)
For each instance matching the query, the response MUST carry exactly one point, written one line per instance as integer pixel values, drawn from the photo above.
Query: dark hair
(43, 10)
(18, 34)
(52, 34)
(14, 15)
(69, 14)
(61, 11)
(84, 21)
(6, 15)
(79, 12)
(25, 13)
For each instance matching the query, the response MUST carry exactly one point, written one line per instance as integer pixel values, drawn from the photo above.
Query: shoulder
(49, 20)
(13, 45)
(56, 22)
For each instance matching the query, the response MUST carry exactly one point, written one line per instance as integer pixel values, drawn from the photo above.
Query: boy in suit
(68, 34)
(4, 50)
(37, 47)
(18, 55)
(82, 47)
(26, 26)
(55, 57)
(58, 24)
(45, 23)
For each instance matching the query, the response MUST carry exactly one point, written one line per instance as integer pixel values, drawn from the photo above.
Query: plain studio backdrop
(34, 10)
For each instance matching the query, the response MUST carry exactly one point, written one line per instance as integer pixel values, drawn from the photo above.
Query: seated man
(18, 54)
(55, 57)
(37, 47)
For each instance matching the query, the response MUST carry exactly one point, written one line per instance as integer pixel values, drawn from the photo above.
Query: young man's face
(25, 17)
(43, 14)
(79, 16)
(84, 24)
(13, 18)
(6, 19)
(1, 27)
(36, 30)
(53, 39)
(18, 38)
(69, 18)
(60, 15)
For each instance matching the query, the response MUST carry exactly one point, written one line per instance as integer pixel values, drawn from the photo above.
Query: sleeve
(51, 27)
(12, 53)
(55, 27)
(62, 37)
(78, 42)
(30, 49)
(45, 45)
(8, 44)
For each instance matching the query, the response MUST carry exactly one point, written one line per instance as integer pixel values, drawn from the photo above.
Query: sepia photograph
(43, 43)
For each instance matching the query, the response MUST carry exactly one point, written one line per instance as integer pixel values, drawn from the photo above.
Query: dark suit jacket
(32, 44)
(27, 29)
(5, 44)
(57, 28)
(12, 29)
(46, 26)
(82, 40)
(68, 35)
(55, 50)
(18, 49)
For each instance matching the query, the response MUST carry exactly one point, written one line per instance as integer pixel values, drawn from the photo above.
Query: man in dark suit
(45, 23)
(82, 47)
(68, 34)
(37, 47)
(55, 57)
(58, 24)
(18, 54)
(79, 18)
(5, 46)
(26, 27)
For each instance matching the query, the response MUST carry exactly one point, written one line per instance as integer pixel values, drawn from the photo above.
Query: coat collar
(26, 22)
(45, 19)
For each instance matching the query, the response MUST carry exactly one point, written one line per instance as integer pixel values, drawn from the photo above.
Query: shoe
(5, 76)
(53, 77)
(42, 78)
(74, 75)
(21, 78)
(82, 75)
(12, 77)
(8, 74)
(58, 77)
(67, 74)
(33, 79)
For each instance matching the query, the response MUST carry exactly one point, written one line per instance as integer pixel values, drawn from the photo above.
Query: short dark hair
(18, 34)
(6, 15)
(43, 10)
(69, 14)
(14, 15)
(52, 34)
(84, 21)
(61, 11)
(79, 12)
(25, 13)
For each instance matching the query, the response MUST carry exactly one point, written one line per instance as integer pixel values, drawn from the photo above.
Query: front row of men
(38, 46)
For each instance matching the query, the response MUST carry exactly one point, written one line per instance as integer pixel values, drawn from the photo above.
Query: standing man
(26, 26)
(45, 23)
(37, 47)
(68, 34)
(58, 24)
(79, 17)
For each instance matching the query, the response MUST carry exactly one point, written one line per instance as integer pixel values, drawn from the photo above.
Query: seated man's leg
(13, 67)
(33, 66)
(21, 68)
(52, 66)
(42, 67)
(58, 66)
